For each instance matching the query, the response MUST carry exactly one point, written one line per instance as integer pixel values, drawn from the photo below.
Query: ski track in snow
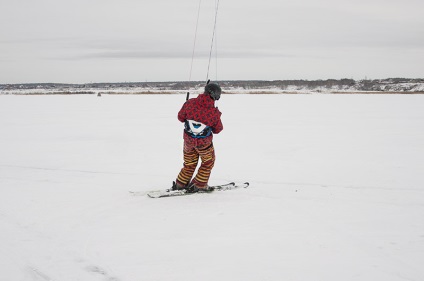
(335, 190)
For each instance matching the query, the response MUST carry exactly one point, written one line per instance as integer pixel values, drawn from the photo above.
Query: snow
(337, 189)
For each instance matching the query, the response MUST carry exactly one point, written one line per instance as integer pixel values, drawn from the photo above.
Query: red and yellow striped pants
(191, 159)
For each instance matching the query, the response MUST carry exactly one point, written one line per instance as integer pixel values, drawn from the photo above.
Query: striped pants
(191, 159)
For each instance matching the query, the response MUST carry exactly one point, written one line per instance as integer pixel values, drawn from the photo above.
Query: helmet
(213, 90)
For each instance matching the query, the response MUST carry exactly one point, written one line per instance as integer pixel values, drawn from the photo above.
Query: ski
(230, 186)
(172, 193)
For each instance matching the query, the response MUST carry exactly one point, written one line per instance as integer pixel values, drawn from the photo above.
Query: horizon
(220, 81)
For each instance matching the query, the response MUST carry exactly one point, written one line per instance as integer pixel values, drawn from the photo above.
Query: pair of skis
(171, 193)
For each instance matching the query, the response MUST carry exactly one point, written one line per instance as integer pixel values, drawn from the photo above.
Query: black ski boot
(176, 186)
(192, 188)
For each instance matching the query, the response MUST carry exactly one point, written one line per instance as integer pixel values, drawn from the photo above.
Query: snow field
(336, 189)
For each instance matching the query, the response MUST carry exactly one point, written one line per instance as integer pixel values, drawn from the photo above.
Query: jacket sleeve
(218, 127)
(182, 113)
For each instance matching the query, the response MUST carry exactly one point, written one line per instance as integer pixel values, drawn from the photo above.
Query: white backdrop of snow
(337, 189)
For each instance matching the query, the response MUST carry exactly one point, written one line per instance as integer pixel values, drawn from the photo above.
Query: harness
(196, 129)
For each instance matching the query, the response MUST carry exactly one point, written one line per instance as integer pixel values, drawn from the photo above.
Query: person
(201, 121)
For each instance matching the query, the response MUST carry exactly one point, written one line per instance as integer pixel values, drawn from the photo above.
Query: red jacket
(201, 109)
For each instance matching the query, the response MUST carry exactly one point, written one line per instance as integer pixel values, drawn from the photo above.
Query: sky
(85, 41)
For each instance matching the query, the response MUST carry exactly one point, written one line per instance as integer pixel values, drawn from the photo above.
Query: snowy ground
(337, 190)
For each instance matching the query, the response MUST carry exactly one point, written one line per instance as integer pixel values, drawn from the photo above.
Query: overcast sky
(82, 41)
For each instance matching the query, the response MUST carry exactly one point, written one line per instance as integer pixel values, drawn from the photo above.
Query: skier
(201, 120)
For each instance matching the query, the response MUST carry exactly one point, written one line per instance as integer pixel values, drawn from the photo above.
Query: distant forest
(389, 84)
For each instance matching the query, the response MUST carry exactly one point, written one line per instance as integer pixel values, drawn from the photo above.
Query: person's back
(200, 110)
